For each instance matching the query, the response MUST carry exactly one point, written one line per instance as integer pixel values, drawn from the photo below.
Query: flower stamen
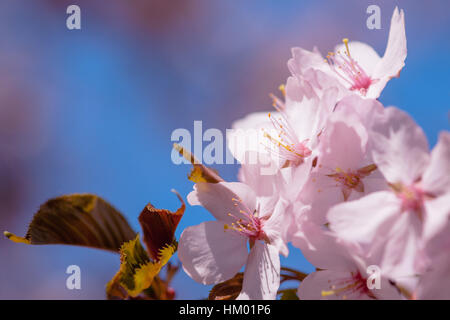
(351, 180)
(289, 146)
(248, 225)
(349, 70)
(344, 287)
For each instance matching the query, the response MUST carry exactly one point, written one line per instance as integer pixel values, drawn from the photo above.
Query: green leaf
(143, 277)
(132, 257)
(78, 219)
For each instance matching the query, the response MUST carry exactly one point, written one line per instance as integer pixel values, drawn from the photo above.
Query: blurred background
(92, 110)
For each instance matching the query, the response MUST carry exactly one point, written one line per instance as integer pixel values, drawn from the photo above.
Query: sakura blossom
(289, 135)
(345, 170)
(344, 268)
(412, 210)
(355, 188)
(328, 172)
(215, 251)
(353, 67)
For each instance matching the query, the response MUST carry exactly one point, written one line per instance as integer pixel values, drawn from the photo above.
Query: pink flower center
(349, 70)
(343, 287)
(412, 196)
(351, 180)
(249, 224)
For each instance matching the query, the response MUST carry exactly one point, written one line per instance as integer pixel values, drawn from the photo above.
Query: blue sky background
(93, 110)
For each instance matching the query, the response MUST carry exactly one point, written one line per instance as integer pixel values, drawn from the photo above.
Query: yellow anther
(327, 293)
(345, 41)
(282, 88)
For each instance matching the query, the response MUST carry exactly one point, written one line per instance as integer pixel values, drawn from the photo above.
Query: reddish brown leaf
(78, 219)
(158, 226)
(227, 290)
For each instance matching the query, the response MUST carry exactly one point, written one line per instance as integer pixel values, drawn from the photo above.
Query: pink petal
(402, 246)
(293, 179)
(254, 176)
(375, 182)
(310, 115)
(262, 273)
(344, 143)
(362, 53)
(435, 284)
(319, 246)
(436, 179)
(303, 60)
(394, 56)
(321, 192)
(387, 291)
(363, 108)
(436, 235)
(311, 76)
(317, 284)
(297, 88)
(400, 148)
(217, 198)
(205, 251)
(275, 227)
(247, 135)
(366, 219)
(437, 216)
(342, 148)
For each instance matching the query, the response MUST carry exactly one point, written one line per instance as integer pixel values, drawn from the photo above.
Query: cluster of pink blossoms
(355, 186)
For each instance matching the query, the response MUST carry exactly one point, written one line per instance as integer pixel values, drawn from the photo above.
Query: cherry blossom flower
(353, 66)
(351, 184)
(215, 251)
(345, 270)
(400, 219)
(287, 183)
(288, 135)
(344, 171)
